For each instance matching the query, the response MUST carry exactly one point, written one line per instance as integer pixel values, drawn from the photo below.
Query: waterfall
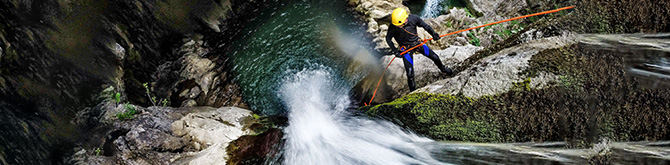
(321, 131)
(432, 9)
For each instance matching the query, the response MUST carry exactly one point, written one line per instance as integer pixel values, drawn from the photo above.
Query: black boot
(446, 70)
(410, 82)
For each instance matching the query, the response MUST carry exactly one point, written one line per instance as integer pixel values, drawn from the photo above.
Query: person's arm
(425, 26)
(389, 41)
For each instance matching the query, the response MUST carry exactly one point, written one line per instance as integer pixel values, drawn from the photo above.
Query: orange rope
(468, 29)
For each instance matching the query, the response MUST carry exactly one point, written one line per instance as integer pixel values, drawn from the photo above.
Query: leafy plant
(153, 99)
(97, 151)
(468, 13)
(129, 112)
(448, 24)
(474, 41)
(116, 97)
(164, 102)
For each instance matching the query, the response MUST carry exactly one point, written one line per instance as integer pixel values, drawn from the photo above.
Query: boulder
(163, 135)
(222, 125)
(425, 71)
(194, 77)
(497, 73)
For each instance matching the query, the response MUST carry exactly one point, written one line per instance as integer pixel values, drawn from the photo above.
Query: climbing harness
(456, 32)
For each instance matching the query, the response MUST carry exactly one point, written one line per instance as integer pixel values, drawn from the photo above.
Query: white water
(431, 9)
(321, 131)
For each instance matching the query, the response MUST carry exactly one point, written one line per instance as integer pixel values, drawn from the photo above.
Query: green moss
(440, 116)
(522, 86)
(469, 130)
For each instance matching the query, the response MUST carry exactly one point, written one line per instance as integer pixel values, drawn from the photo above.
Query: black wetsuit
(407, 37)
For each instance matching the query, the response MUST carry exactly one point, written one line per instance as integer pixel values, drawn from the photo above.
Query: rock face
(54, 59)
(498, 73)
(193, 79)
(453, 50)
(425, 71)
(498, 8)
(162, 135)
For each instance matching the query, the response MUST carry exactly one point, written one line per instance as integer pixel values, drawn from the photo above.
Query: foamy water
(321, 132)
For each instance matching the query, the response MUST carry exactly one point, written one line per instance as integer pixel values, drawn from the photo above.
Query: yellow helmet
(399, 16)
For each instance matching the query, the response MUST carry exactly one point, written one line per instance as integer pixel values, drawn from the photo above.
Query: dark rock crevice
(56, 56)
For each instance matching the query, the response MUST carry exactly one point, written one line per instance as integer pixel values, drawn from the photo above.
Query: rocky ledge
(163, 135)
(463, 50)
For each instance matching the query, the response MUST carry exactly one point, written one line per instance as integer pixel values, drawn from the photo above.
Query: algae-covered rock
(594, 97)
(442, 117)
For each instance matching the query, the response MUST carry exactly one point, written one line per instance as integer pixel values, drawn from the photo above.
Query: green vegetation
(473, 39)
(448, 24)
(466, 5)
(467, 12)
(97, 151)
(513, 27)
(153, 99)
(116, 97)
(129, 112)
(524, 85)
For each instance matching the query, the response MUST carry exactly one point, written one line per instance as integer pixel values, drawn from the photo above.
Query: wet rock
(256, 149)
(163, 135)
(497, 73)
(213, 130)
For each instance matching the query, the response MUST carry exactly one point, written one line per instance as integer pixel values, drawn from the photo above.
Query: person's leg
(409, 70)
(425, 50)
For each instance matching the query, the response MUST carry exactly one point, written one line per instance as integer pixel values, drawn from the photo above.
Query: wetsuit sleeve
(389, 41)
(420, 23)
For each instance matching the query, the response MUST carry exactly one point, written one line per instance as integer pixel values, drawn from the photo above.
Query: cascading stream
(293, 62)
(320, 130)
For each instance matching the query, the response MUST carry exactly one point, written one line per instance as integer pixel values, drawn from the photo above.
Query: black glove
(436, 37)
(397, 54)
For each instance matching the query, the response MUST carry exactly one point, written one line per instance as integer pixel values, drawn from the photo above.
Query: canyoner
(404, 32)
(399, 19)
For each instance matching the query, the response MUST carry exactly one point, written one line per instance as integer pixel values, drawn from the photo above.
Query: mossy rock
(470, 130)
(593, 98)
(444, 117)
